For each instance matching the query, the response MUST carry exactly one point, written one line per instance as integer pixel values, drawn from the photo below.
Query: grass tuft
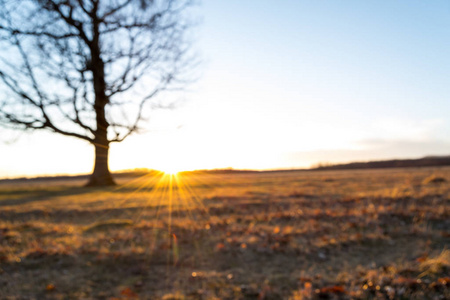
(434, 179)
(436, 265)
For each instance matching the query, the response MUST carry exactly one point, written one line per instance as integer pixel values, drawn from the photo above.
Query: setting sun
(170, 170)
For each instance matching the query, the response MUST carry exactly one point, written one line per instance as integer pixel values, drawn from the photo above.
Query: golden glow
(170, 170)
(169, 194)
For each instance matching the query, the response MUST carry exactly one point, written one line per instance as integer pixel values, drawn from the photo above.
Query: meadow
(359, 234)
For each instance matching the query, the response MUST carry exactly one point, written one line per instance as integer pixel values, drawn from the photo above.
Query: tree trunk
(101, 175)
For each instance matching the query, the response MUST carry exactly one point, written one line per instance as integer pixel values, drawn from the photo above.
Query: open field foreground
(368, 234)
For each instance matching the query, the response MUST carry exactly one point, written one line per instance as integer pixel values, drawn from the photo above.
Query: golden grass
(362, 234)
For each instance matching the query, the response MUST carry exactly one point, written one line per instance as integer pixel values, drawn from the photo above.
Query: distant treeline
(429, 161)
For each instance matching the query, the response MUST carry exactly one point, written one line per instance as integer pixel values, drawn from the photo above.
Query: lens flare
(170, 170)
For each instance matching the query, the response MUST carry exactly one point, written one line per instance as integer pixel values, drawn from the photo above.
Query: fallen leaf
(336, 289)
(422, 259)
(445, 234)
(220, 246)
(444, 280)
(128, 293)
(411, 282)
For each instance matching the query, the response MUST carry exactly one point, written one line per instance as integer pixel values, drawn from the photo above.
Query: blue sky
(289, 84)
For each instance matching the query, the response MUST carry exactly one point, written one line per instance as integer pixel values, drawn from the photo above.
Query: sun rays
(167, 207)
(162, 195)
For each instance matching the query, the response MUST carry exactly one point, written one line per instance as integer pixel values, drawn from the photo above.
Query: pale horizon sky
(286, 84)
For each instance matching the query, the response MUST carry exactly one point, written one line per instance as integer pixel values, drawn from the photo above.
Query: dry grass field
(366, 234)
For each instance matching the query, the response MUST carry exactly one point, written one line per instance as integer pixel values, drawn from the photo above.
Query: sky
(286, 84)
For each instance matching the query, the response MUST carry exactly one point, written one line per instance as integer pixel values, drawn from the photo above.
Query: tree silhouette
(89, 68)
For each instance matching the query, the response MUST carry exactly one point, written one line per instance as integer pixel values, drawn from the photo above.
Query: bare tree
(89, 68)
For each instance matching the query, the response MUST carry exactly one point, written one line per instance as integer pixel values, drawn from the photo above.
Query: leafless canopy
(88, 68)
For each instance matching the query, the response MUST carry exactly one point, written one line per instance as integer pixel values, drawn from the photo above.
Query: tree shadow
(30, 195)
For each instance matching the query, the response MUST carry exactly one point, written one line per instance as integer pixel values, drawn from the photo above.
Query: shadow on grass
(24, 196)
(19, 196)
